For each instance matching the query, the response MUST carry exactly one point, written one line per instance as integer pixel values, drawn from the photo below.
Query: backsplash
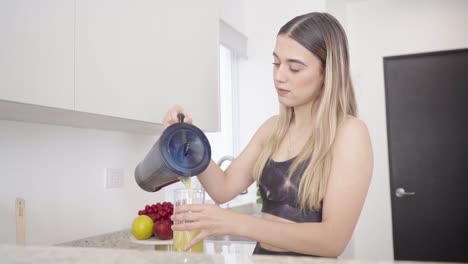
(59, 171)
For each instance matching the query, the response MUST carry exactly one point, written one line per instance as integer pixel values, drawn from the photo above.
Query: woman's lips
(282, 92)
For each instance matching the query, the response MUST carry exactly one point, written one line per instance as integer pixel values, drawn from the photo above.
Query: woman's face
(297, 73)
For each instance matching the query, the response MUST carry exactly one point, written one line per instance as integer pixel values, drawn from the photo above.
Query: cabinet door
(135, 59)
(36, 52)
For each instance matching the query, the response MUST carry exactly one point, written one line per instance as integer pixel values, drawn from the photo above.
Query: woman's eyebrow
(291, 60)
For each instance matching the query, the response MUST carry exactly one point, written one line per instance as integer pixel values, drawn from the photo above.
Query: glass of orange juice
(181, 238)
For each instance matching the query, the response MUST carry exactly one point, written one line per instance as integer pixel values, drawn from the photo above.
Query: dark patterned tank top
(279, 193)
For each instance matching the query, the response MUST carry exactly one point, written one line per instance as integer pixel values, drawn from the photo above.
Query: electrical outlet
(114, 178)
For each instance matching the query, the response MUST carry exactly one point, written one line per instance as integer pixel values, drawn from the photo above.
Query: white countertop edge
(71, 255)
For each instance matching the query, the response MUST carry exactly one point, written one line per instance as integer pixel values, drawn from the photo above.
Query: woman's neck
(303, 117)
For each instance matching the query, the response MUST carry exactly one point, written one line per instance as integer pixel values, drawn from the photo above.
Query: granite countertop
(72, 255)
(117, 247)
(121, 239)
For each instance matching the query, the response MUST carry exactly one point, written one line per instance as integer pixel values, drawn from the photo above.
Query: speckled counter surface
(119, 239)
(71, 255)
(116, 247)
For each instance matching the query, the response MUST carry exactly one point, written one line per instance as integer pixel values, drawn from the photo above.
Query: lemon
(142, 227)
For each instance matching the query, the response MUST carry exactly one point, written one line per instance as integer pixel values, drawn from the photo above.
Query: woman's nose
(279, 74)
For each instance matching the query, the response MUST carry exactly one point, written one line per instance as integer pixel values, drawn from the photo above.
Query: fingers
(171, 116)
(187, 119)
(194, 241)
(186, 217)
(186, 226)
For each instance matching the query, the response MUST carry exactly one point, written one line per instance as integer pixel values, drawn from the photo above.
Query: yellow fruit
(142, 227)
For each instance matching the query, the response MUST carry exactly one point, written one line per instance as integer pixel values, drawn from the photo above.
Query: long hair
(321, 34)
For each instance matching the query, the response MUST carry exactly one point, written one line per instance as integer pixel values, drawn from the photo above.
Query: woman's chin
(285, 102)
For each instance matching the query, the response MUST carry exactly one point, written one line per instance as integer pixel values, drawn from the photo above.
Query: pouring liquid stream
(181, 238)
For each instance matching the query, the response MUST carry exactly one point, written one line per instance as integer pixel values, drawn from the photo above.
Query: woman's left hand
(210, 219)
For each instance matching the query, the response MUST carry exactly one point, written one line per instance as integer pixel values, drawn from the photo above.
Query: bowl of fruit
(153, 224)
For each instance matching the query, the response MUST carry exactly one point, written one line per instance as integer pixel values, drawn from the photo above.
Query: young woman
(313, 162)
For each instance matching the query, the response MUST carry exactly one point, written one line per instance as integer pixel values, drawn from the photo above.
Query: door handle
(400, 192)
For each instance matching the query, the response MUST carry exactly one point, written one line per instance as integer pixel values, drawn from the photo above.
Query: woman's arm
(224, 186)
(221, 185)
(347, 188)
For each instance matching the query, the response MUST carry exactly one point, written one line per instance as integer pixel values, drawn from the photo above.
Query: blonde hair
(322, 35)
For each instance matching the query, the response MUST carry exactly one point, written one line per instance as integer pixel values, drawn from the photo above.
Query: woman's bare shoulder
(270, 123)
(352, 132)
(352, 124)
(265, 130)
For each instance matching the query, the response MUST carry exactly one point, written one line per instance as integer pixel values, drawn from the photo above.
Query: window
(226, 141)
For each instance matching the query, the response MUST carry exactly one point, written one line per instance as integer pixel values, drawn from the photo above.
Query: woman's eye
(276, 64)
(294, 70)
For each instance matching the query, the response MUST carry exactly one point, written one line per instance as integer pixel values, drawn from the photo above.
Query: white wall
(384, 28)
(59, 172)
(232, 12)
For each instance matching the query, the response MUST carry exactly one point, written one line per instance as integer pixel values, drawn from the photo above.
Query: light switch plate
(114, 178)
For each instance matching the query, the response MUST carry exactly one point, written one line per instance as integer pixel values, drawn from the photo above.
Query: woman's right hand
(171, 116)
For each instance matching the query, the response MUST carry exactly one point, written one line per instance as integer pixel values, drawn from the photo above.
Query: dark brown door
(427, 125)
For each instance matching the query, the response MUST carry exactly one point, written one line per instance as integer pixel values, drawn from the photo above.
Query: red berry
(158, 211)
(153, 216)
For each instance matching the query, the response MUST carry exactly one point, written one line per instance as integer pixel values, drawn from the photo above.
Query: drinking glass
(181, 238)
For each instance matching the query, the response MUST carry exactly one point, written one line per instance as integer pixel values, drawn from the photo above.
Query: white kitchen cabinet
(135, 59)
(37, 52)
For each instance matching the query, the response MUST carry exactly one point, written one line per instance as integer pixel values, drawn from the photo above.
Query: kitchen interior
(84, 86)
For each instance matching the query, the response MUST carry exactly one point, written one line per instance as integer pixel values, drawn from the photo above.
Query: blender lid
(185, 149)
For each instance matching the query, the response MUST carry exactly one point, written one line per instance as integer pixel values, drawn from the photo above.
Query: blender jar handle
(181, 117)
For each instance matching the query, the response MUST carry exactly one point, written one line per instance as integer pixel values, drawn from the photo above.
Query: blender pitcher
(182, 150)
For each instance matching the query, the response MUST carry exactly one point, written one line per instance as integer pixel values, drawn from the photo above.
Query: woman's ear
(322, 81)
(322, 75)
